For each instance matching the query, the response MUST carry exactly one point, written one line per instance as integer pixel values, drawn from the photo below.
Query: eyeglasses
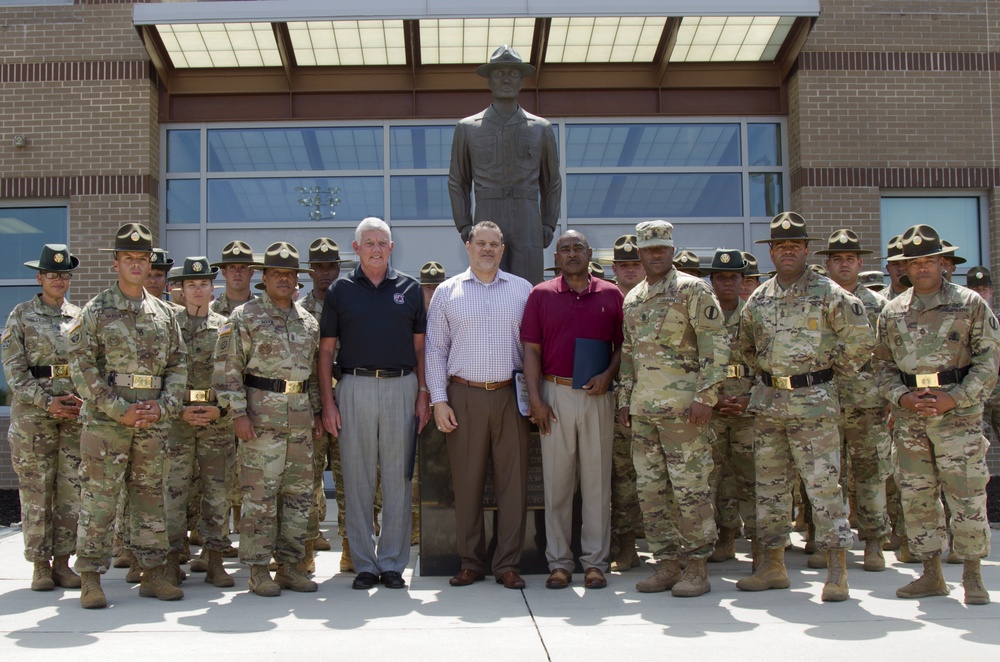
(57, 275)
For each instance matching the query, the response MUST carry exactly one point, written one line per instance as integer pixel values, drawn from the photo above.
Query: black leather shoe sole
(392, 579)
(364, 581)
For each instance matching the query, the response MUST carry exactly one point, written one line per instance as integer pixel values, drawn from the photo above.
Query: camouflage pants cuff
(90, 565)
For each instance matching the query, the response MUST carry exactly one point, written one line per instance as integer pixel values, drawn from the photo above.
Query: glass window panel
(654, 195)
(277, 200)
(294, 149)
(764, 144)
(420, 146)
(183, 201)
(956, 219)
(420, 198)
(10, 297)
(23, 232)
(765, 194)
(652, 145)
(183, 151)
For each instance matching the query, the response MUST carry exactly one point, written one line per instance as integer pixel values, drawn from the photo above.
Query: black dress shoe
(364, 581)
(392, 579)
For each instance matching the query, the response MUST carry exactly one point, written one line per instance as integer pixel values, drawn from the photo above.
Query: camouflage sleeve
(890, 385)
(984, 344)
(709, 325)
(171, 400)
(745, 340)
(314, 400)
(230, 362)
(626, 370)
(89, 381)
(855, 337)
(23, 385)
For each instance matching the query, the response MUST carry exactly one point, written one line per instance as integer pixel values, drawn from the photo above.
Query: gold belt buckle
(734, 371)
(61, 370)
(204, 395)
(294, 387)
(142, 381)
(784, 383)
(490, 386)
(929, 380)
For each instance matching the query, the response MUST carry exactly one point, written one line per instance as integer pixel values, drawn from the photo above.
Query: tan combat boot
(195, 538)
(215, 573)
(817, 561)
(874, 558)
(92, 595)
(134, 574)
(725, 546)
(173, 573)
(123, 559)
(626, 558)
(346, 562)
(41, 578)
(770, 573)
(307, 565)
(667, 574)
(62, 575)
(905, 555)
(693, 581)
(972, 580)
(757, 555)
(261, 582)
(810, 546)
(291, 577)
(155, 584)
(930, 583)
(200, 564)
(185, 556)
(836, 588)
(321, 544)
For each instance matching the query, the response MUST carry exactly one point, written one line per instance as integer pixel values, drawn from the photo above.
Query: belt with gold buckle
(54, 371)
(139, 382)
(935, 379)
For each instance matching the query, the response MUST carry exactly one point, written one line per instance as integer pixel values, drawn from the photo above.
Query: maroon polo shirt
(555, 316)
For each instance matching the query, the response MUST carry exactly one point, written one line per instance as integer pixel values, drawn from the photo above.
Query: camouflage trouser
(205, 454)
(865, 439)
(733, 478)
(626, 516)
(236, 489)
(811, 447)
(673, 460)
(943, 453)
(45, 452)
(276, 473)
(109, 454)
(326, 452)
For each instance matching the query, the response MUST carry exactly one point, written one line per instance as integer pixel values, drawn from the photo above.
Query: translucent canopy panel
(730, 38)
(472, 40)
(341, 43)
(604, 39)
(205, 45)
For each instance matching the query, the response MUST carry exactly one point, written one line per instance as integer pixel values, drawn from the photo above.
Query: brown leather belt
(488, 386)
(561, 381)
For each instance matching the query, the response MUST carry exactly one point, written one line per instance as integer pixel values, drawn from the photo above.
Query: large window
(958, 219)
(24, 231)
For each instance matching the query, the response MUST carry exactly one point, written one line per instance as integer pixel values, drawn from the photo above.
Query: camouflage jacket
(110, 336)
(264, 340)
(860, 391)
(36, 335)
(675, 348)
(953, 329)
(812, 324)
(224, 306)
(200, 335)
(735, 385)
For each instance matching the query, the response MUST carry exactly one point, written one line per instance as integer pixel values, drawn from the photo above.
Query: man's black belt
(275, 385)
(797, 381)
(377, 373)
(934, 379)
(40, 371)
(506, 192)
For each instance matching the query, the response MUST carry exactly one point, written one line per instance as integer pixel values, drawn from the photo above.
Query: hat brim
(74, 262)
(771, 241)
(211, 275)
(126, 250)
(525, 68)
(262, 286)
(720, 270)
(252, 262)
(942, 251)
(828, 251)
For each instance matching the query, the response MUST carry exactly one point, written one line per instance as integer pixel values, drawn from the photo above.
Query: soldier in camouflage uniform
(980, 281)
(674, 358)
(688, 262)
(796, 331)
(127, 359)
(44, 433)
(733, 477)
(201, 441)
(939, 345)
(863, 426)
(265, 357)
(751, 277)
(626, 515)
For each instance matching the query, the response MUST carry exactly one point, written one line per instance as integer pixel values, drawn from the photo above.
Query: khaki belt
(935, 379)
(489, 386)
(204, 395)
(53, 371)
(142, 382)
(561, 381)
(737, 370)
(797, 381)
(275, 385)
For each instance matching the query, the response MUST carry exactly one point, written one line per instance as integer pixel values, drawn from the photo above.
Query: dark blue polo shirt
(375, 325)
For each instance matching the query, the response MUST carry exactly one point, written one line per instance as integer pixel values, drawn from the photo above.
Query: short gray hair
(485, 225)
(369, 224)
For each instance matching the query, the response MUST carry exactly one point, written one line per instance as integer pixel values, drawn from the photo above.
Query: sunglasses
(55, 275)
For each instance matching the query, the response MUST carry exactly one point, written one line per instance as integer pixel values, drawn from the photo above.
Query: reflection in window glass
(184, 151)
(291, 149)
(277, 200)
(625, 145)
(420, 198)
(765, 194)
(10, 296)
(654, 195)
(25, 230)
(956, 219)
(183, 201)
(764, 144)
(420, 146)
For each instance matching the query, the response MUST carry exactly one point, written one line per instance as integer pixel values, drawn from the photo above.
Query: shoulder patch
(6, 338)
(75, 332)
(225, 328)
(993, 324)
(711, 312)
(858, 310)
